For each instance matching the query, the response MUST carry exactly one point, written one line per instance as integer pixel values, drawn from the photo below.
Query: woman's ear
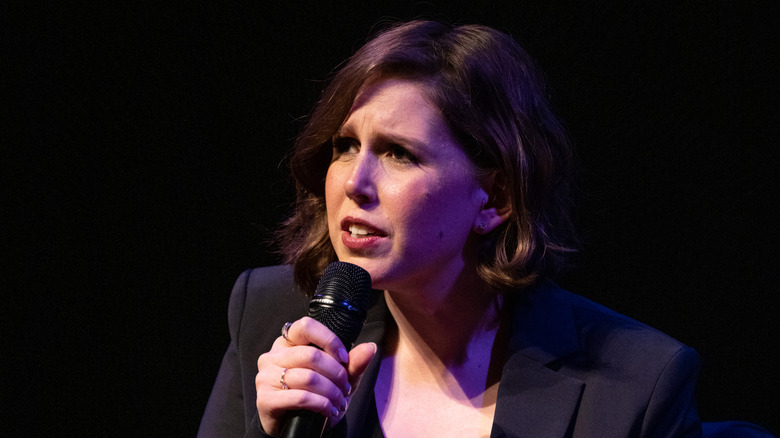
(496, 206)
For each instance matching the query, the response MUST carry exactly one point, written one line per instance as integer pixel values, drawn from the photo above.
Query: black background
(142, 166)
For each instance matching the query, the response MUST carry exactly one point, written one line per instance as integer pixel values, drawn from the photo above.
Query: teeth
(358, 230)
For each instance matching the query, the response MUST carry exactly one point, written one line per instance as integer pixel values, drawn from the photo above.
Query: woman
(433, 161)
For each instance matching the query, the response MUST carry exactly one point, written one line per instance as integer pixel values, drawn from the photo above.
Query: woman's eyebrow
(401, 140)
(385, 137)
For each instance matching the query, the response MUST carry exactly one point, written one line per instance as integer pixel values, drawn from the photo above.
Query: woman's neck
(443, 356)
(447, 328)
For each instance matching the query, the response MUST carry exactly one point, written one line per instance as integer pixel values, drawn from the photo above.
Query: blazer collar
(543, 327)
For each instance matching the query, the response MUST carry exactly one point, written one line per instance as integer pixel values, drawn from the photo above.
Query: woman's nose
(360, 186)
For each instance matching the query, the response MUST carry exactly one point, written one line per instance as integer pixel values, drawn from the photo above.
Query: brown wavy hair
(495, 101)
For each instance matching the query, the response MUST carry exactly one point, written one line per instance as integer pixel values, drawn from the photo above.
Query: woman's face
(402, 197)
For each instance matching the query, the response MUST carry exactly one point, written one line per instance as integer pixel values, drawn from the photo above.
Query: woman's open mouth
(357, 230)
(359, 234)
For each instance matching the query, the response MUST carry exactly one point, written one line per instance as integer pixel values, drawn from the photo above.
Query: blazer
(574, 367)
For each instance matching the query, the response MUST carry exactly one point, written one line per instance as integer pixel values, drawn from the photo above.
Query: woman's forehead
(396, 105)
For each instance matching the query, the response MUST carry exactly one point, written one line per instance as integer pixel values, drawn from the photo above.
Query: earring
(482, 226)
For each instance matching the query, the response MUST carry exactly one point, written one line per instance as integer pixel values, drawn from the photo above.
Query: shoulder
(594, 340)
(595, 320)
(269, 286)
(606, 334)
(263, 299)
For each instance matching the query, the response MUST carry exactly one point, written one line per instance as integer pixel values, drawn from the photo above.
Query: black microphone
(340, 303)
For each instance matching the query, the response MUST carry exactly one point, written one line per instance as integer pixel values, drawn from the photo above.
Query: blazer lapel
(533, 397)
(535, 400)
(363, 399)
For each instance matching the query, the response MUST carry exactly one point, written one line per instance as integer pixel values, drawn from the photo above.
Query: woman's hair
(494, 100)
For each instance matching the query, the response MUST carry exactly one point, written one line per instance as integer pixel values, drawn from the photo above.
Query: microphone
(340, 303)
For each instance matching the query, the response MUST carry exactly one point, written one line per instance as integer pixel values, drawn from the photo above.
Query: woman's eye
(345, 146)
(401, 153)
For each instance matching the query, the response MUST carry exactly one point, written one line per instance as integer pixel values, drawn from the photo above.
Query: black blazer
(575, 368)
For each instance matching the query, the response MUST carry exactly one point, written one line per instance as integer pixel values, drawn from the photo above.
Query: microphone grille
(342, 299)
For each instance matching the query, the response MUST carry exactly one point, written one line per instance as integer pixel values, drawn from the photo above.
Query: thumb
(359, 358)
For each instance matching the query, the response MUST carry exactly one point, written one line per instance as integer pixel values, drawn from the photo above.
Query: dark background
(142, 166)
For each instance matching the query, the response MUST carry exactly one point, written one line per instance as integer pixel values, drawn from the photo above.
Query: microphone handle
(304, 424)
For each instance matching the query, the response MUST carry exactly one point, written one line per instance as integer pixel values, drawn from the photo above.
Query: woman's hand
(316, 380)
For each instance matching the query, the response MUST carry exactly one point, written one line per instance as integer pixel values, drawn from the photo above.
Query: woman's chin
(374, 268)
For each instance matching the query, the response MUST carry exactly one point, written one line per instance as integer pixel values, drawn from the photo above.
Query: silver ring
(285, 328)
(281, 380)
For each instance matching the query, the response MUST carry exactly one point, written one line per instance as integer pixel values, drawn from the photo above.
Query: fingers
(308, 358)
(273, 407)
(306, 389)
(315, 380)
(308, 331)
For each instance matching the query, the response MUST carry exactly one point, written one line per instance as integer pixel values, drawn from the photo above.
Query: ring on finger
(281, 380)
(285, 329)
